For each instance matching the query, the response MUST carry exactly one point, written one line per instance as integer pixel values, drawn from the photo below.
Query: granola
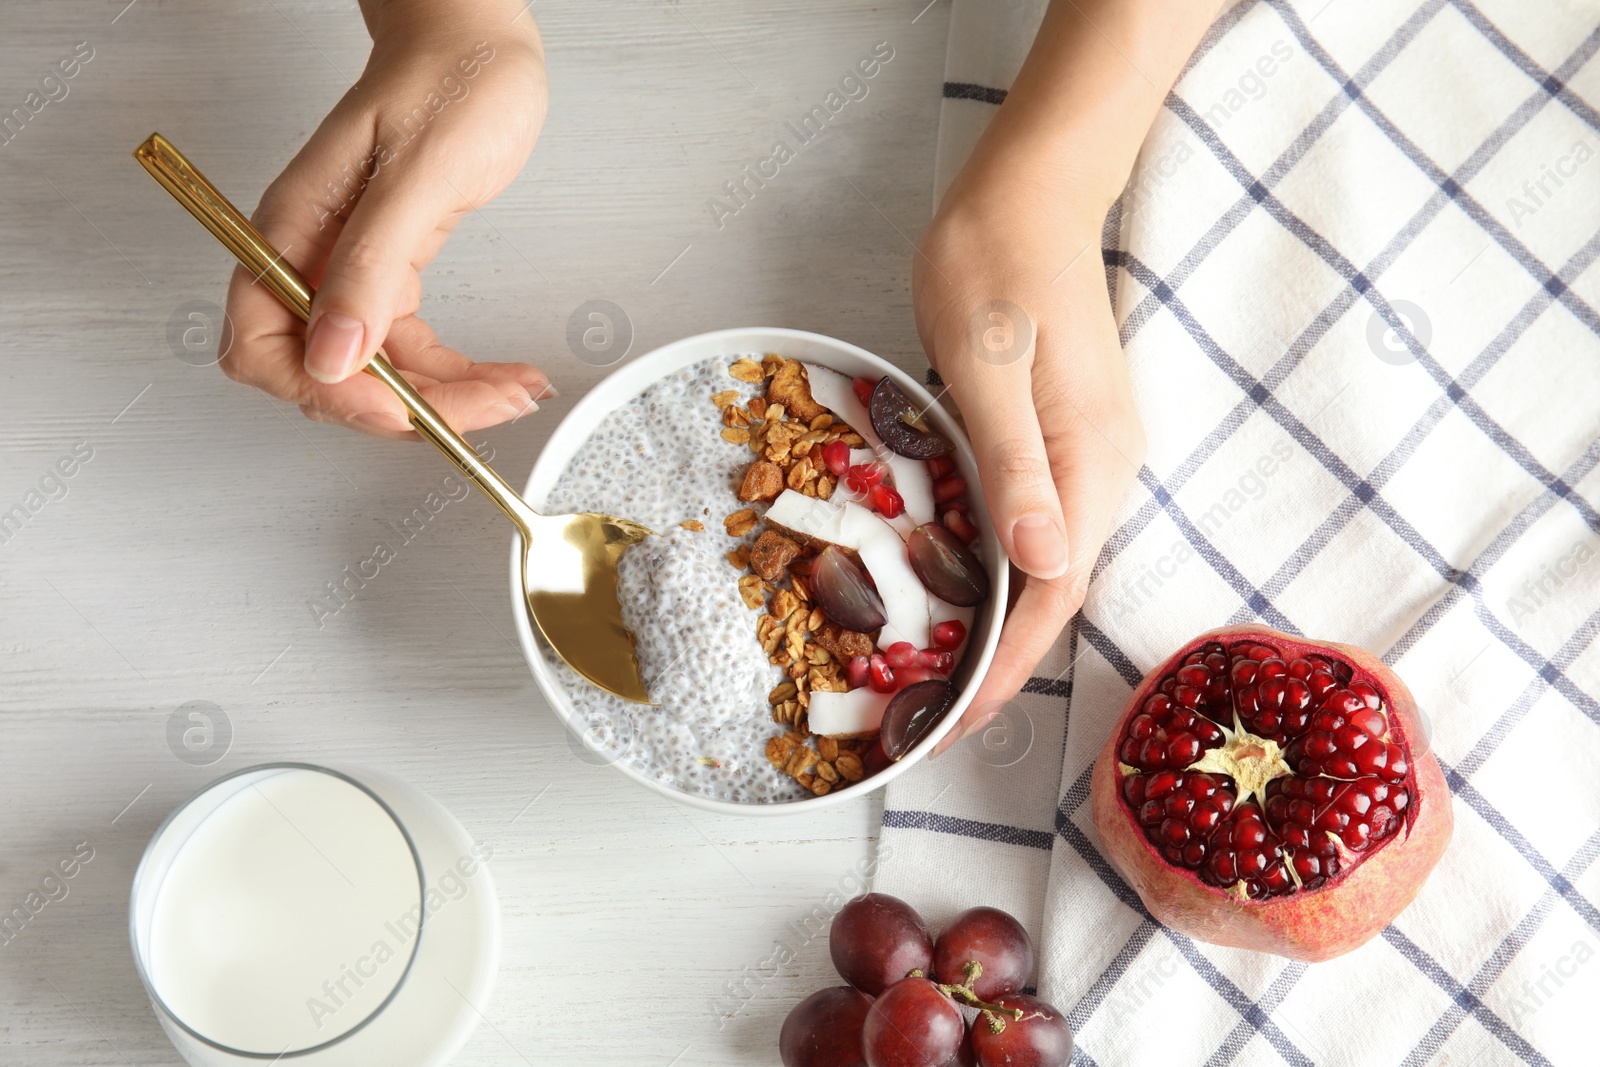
(788, 433)
(786, 430)
(762, 481)
(771, 555)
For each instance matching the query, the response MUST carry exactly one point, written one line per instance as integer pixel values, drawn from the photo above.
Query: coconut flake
(854, 714)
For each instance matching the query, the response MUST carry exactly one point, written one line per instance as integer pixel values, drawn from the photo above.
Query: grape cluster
(904, 1004)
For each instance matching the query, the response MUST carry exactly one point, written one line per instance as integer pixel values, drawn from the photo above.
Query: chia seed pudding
(658, 460)
(787, 661)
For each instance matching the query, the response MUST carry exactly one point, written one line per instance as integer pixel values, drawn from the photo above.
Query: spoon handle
(200, 198)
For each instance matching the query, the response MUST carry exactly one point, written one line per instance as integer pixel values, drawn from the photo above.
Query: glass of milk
(290, 912)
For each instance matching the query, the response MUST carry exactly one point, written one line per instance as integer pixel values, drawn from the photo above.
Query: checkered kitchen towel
(1362, 235)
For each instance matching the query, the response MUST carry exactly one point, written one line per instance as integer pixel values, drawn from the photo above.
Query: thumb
(996, 400)
(391, 233)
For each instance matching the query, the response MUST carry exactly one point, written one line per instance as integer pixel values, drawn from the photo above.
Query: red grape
(901, 424)
(824, 1030)
(1041, 1038)
(844, 591)
(945, 566)
(876, 759)
(912, 1025)
(992, 938)
(876, 940)
(912, 713)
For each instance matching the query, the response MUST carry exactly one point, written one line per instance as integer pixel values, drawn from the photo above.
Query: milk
(287, 917)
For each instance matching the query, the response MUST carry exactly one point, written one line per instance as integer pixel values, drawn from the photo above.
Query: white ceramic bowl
(633, 378)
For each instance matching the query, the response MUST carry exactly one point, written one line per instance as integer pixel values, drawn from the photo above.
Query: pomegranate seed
(939, 466)
(863, 476)
(863, 388)
(1179, 811)
(961, 526)
(914, 674)
(949, 634)
(855, 671)
(836, 454)
(880, 676)
(941, 661)
(948, 488)
(1150, 744)
(900, 654)
(886, 501)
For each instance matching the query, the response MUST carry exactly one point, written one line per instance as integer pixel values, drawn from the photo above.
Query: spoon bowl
(570, 561)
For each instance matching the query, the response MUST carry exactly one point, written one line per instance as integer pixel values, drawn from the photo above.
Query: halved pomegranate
(1267, 792)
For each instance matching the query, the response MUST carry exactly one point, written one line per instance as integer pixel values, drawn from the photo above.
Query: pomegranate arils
(939, 466)
(1344, 791)
(905, 677)
(949, 488)
(1245, 852)
(836, 454)
(1179, 812)
(961, 526)
(855, 671)
(880, 676)
(901, 654)
(949, 634)
(1166, 735)
(1347, 739)
(863, 476)
(1307, 812)
(863, 387)
(886, 501)
(1201, 684)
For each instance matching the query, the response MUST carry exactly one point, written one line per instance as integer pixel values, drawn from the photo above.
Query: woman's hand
(1015, 247)
(442, 119)
(1010, 258)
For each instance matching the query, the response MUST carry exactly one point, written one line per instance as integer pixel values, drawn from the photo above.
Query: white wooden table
(179, 564)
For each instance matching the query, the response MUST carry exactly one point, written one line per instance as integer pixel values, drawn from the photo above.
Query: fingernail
(549, 392)
(381, 420)
(493, 415)
(978, 725)
(522, 403)
(1039, 547)
(334, 348)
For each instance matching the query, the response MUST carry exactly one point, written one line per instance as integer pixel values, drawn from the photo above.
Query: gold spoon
(569, 562)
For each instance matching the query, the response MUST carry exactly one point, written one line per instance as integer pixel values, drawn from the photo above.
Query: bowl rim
(633, 377)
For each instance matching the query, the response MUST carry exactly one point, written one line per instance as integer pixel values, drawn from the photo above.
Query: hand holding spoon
(569, 571)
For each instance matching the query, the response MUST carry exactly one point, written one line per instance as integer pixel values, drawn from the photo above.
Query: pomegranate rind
(1308, 925)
